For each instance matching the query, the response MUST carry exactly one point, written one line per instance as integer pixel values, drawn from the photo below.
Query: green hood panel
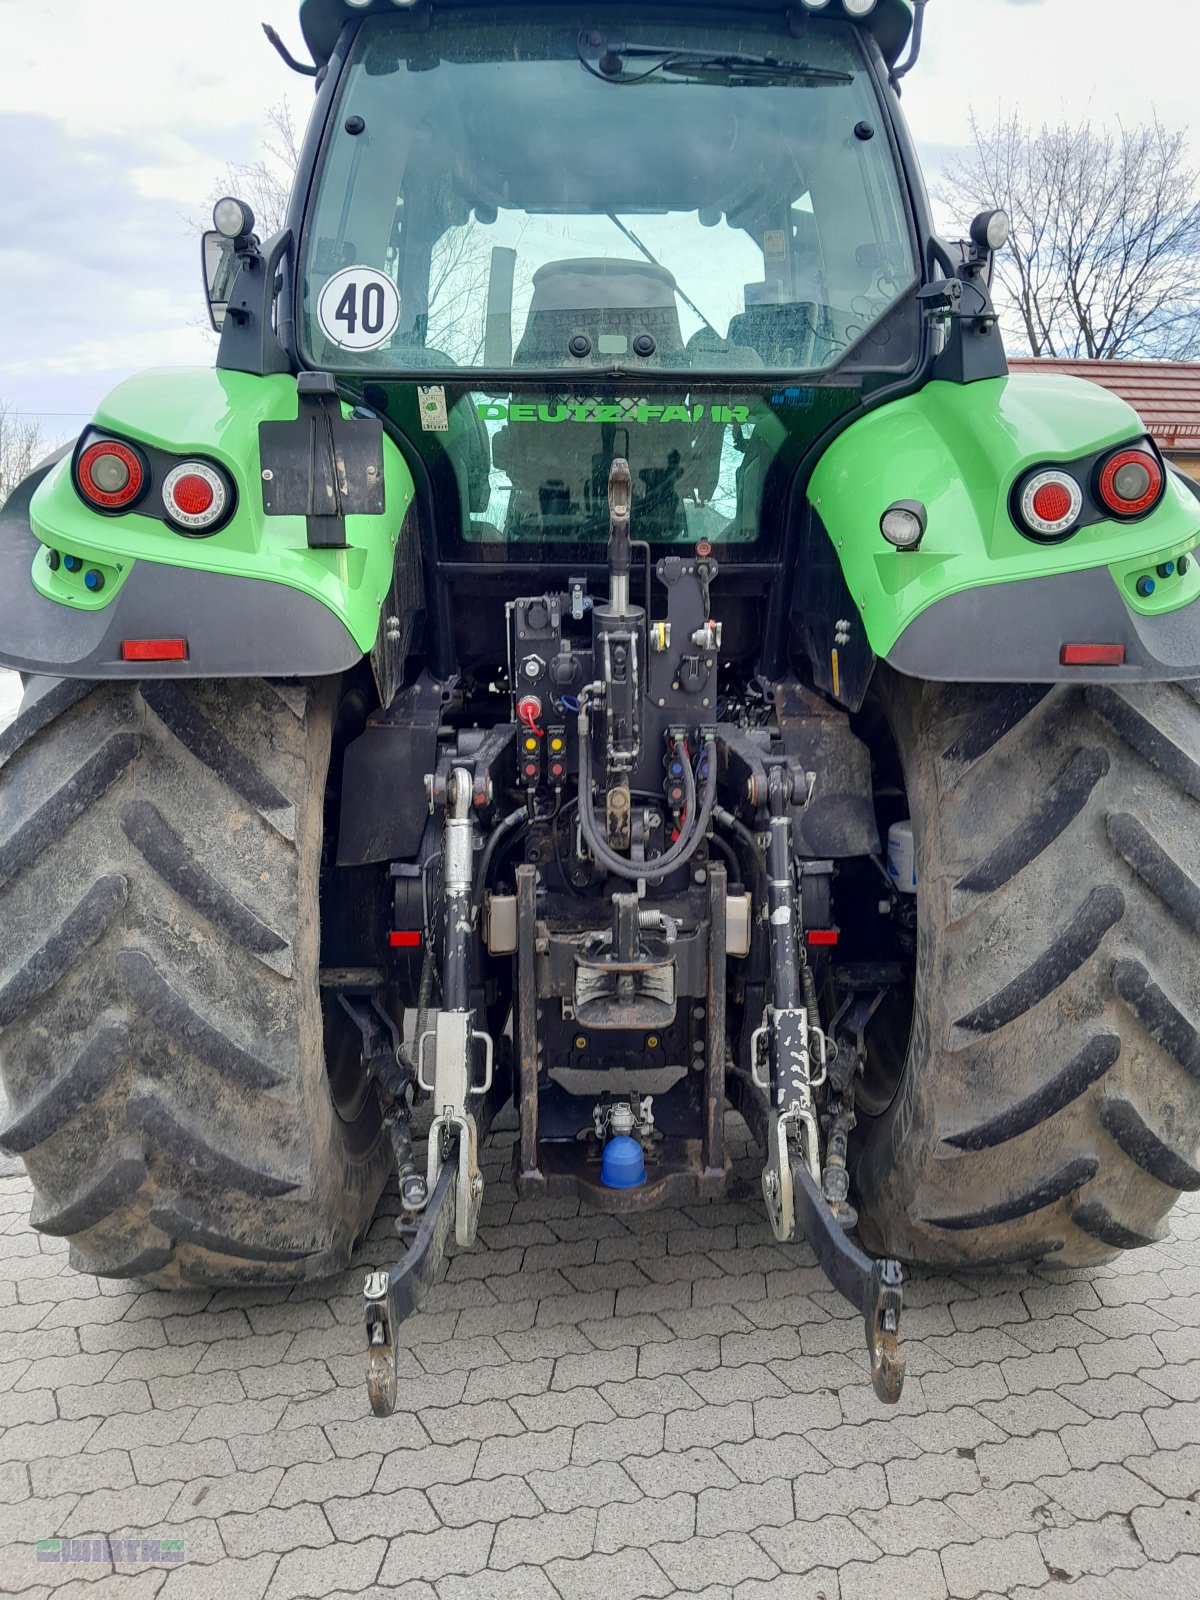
(958, 449)
(216, 413)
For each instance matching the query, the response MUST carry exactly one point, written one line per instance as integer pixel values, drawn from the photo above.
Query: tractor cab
(585, 236)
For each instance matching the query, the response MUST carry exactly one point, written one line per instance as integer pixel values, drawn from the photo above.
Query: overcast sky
(116, 116)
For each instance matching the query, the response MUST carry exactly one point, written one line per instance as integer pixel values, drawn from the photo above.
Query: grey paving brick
(177, 1462)
(427, 1464)
(750, 1382)
(993, 1564)
(839, 1491)
(317, 1573)
(224, 1580)
(252, 1451)
(729, 1558)
(898, 1530)
(235, 1420)
(142, 1506)
(560, 1340)
(640, 1397)
(623, 1526)
(568, 1408)
(1045, 1410)
(711, 1425)
(274, 1528)
(487, 1420)
(33, 1405)
(1107, 1439)
(289, 1378)
(399, 1432)
(1180, 1382)
(216, 1497)
(688, 1471)
(30, 1439)
(758, 1460)
(624, 1436)
(600, 1483)
(795, 1413)
(359, 1516)
(509, 1379)
(1044, 1370)
(317, 1481)
(867, 1441)
(1020, 1508)
(522, 1455)
(1095, 1547)
(1021, 1460)
(918, 1576)
(832, 1542)
(610, 1332)
(537, 1540)
(626, 1575)
(484, 1500)
(1168, 1530)
(744, 1508)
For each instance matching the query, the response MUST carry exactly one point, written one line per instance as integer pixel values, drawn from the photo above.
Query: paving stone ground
(673, 1405)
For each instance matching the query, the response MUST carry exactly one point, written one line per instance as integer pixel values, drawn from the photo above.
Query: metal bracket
(469, 1181)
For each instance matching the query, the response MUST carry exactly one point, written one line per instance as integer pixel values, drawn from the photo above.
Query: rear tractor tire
(160, 1017)
(1049, 1104)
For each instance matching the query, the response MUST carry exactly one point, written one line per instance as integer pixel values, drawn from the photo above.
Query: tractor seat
(609, 301)
(783, 335)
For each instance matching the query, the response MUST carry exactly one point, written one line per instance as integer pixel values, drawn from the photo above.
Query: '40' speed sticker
(359, 308)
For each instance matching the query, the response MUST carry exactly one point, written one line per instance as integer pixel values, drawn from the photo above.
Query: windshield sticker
(623, 411)
(804, 398)
(431, 404)
(359, 308)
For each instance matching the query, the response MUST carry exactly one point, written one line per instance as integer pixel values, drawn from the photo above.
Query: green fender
(331, 596)
(959, 448)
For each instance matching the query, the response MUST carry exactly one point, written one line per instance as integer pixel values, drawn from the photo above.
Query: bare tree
(22, 446)
(1106, 235)
(461, 259)
(266, 182)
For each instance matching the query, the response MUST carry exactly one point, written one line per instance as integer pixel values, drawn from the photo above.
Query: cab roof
(323, 20)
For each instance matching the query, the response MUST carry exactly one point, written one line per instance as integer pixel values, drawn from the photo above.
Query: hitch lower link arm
(445, 1070)
(791, 1178)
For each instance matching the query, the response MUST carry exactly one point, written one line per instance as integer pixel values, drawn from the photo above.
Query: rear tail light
(1049, 503)
(110, 475)
(195, 497)
(1130, 483)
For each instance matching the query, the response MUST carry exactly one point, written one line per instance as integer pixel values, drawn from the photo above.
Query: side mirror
(230, 241)
(220, 269)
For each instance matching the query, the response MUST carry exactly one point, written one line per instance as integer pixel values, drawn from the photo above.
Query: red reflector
(1092, 655)
(407, 939)
(154, 650)
(1052, 502)
(193, 494)
(822, 936)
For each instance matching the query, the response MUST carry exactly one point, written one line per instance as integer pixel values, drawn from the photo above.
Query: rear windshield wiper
(730, 66)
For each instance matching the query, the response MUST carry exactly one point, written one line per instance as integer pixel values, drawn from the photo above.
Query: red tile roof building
(1165, 394)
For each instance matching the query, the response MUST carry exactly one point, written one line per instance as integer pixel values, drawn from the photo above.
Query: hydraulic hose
(684, 848)
(498, 834)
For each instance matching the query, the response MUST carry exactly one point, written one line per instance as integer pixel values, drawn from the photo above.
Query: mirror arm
(249, 341)
(301, 67)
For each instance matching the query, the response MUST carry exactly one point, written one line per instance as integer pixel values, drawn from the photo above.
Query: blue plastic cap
(622, 1165)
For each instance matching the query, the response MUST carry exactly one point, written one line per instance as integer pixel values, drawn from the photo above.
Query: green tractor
(608, 641)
